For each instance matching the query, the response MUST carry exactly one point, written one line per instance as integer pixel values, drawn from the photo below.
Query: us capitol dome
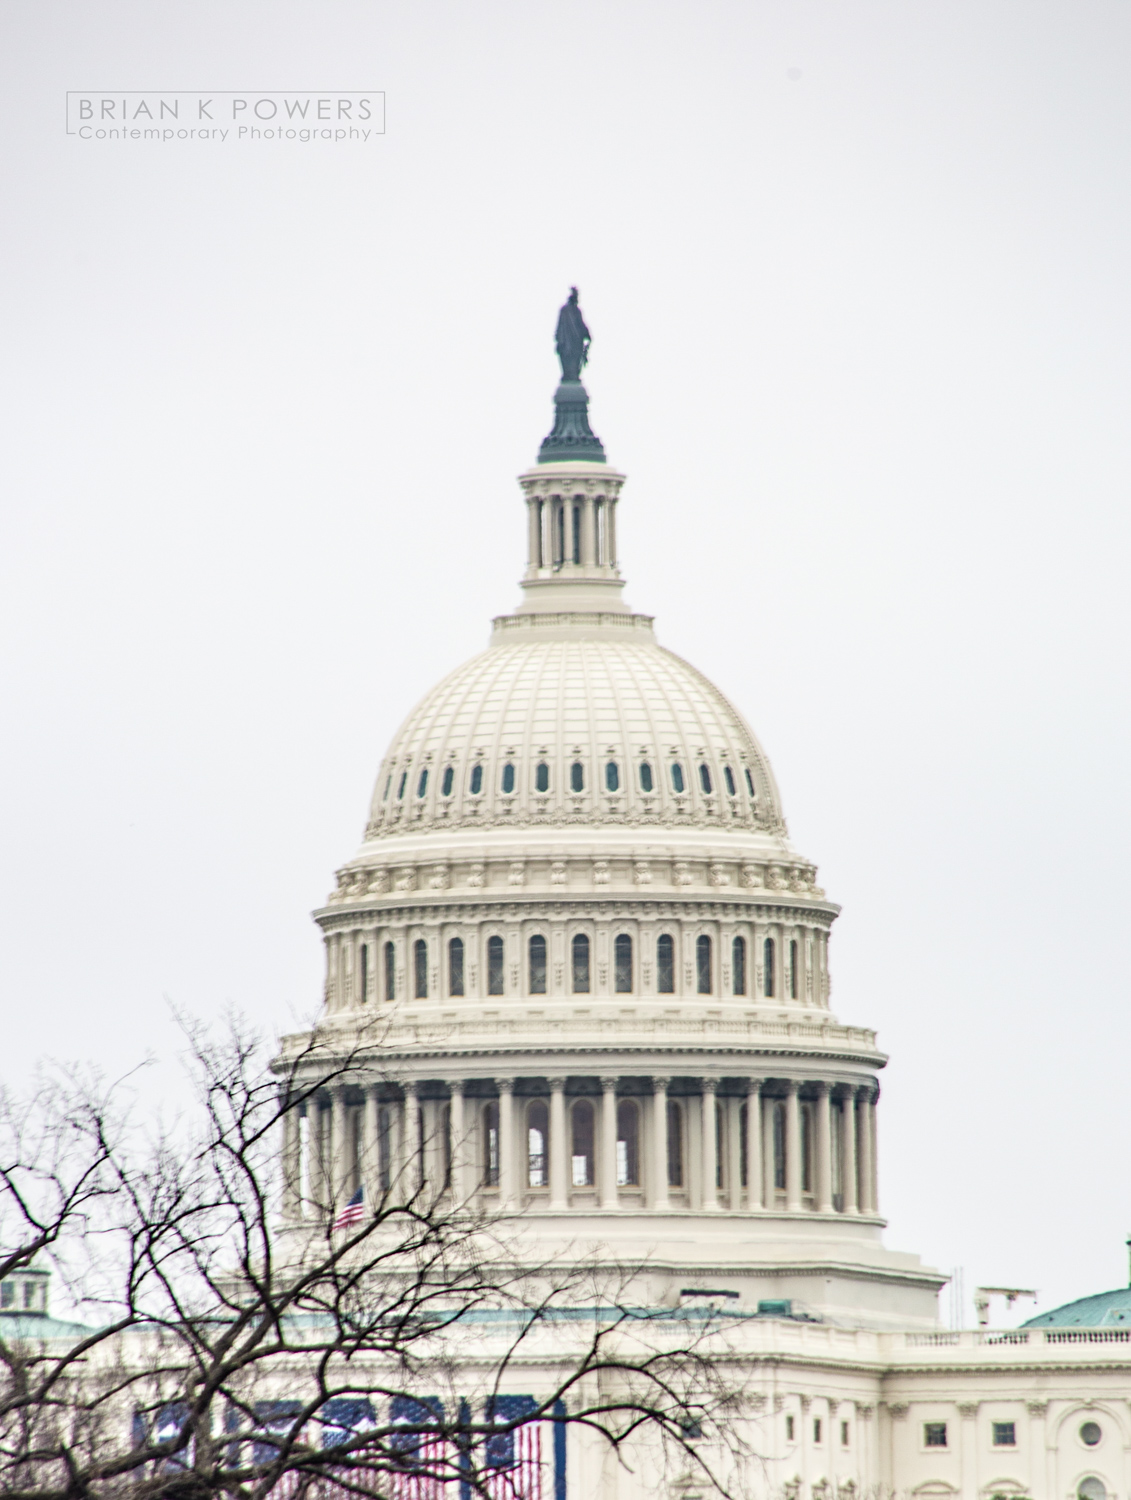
(579, 970)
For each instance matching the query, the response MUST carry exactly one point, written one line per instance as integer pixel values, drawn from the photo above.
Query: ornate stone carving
(475, 875)
(720, 875)
(517, 873)
(752, 877)
(406, 878)
(440, 878)
(898, 1410)
(378, 881)
(600, 872)
(559, 872)
(642, 872)
(775, 879)
(681, 873)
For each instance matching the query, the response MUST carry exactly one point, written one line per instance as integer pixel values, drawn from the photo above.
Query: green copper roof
(1104, 1310)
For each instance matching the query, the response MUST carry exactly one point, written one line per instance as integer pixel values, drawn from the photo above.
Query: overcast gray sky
(857, 275)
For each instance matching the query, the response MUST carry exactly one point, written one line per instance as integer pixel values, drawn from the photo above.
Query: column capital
(754, 1085)
(792, 1086)
(660, 1082)
(505, 1085)
(557, 1083)
(411, 1088)
(455, 1085)
(608, 1083)
(968, 1410)
(709, 1085)
(865, 1092)
(822, 1087)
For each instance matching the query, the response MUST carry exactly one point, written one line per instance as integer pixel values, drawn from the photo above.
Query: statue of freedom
(572, 338)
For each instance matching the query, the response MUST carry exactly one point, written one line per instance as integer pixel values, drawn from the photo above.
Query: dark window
(388, 784)
(1090, 1434)
(677, 776)
(705, 779)
(537, 964)
(806, 1149)
(581, 1154)
(789, 1429)
(768, 968)
(703, 964)
(455, 966)
(665, 965)
(720, 1145)
(793, 968)
(738, 965)
(446, 784)
(537, 1134)
(934, 1434)
(612, 776)
(749, 780)
(779, 1146)
(816, 1429)
(542, 777)
(476, 780)
(743, 1143)
(577, 533)
(495, 966)
(491, 1144)
(560, 528)
(675, 1144)
(628, 1143)
(508, 777)
(390, 972)
(581, 964)
(1005, 1435)
(420, 967)
(363, 974)
(844, 1434)
(577, 777)
(645, 776)
(728, 777)
(422, 784)
(401, 785)
(622, 955)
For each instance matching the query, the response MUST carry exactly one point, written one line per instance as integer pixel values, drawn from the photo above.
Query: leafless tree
(212, 1356)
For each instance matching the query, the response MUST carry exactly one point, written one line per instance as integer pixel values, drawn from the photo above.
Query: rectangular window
(844, 1434)
(1005, 1435)
(789, 1429)
(816, 1429)
(934, 1434)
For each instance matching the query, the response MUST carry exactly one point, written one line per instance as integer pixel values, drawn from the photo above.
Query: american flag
(524, 1478)
(353, 1213)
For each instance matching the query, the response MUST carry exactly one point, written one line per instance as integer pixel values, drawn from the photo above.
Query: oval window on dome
(749, 780)
(728, 777)
(476, 780)
(1090, 1434)
(422, 784)
(677, 776)
(577, 777)
(542, 777)
(705, 778)
(446, 784)
(401, 787)
(612, 776)
(508, 777)
(645, 776)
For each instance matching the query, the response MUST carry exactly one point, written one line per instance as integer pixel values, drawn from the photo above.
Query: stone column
(874, 1173)
(559, 1146)
(535, 531)
(291, 1160)
(340, 1164)
(660, 1201)
(710, 1193)
(1041, 1459)
(370, 1163)
(793, 1148)
(506, 1143)
(968, 1450)
(769, 1176)
(864, 1147)
(824, 1122)
(410, 1142)
(753, 1143)
(611, 531)
(848, 1147)
(607, 1153)
(588, 531)
(457, 1144)
(734, 1153)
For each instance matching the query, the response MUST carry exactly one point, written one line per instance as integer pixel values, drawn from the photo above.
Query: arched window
(779, 1146)
(705, 778)
(476, 780)
(490, 1119)
(645, 776)
(628, 1143)
(768, 968)
(738, 965)
(508, 777)
(703, 964)
(577, 777)
(580, 951)
(388, 784)
(401, 785)
(420, 968)
(446, 784)
(622, 964)
(677, 776)
(542, 777)
(728, 777)
(612, 776)
(806, 1148)
(455, 966)
(675, 1144)
(363, 974)
(537, 1135)
(422, 783)
(495, 966)
(577, 533)
(581, 1152)
(749, 780)
(665, 964)
(537, 964)
(793, 968)
(390, 972)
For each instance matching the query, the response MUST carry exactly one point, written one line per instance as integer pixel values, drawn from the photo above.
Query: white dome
(657, 744)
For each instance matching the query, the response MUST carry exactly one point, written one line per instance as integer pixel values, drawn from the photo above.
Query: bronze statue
(572, 338)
